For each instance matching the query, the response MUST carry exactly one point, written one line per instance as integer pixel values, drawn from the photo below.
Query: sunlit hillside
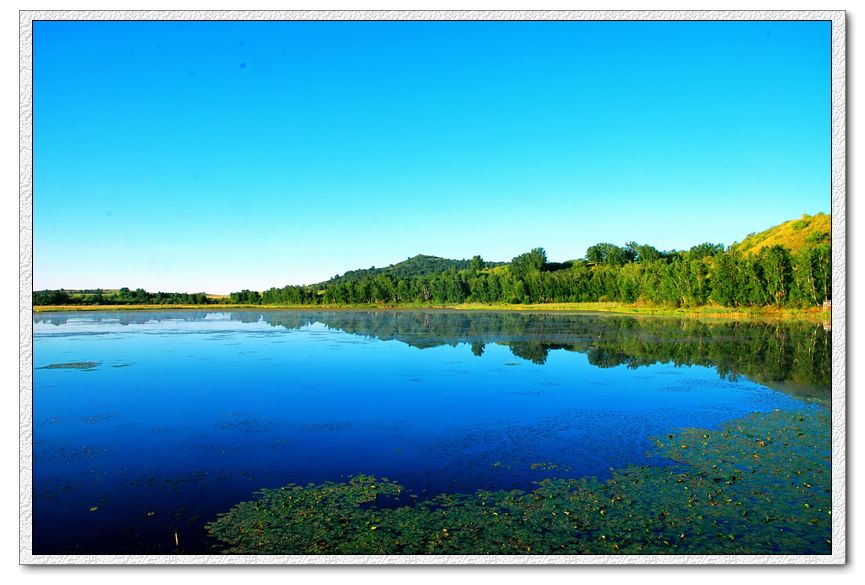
(795, 234)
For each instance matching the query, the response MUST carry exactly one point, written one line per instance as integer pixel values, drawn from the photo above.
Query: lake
(149, 424)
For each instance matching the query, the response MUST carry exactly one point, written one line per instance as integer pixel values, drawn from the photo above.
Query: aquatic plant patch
(71, 366)
(757, 485)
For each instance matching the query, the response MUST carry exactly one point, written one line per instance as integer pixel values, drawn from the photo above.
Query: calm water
(150, 424)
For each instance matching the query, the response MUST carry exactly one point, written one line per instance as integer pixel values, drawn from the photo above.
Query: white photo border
(839, 275)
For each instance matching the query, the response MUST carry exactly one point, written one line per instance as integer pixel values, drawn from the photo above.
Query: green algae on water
(71, 366)
(758, 485)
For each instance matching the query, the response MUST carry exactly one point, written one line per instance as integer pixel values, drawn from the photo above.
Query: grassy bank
(708, 311)
(712, 312)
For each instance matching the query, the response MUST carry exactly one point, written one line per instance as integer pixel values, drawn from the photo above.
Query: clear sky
(194, 156)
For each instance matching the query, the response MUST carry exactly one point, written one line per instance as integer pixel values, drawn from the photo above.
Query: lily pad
(71, 366)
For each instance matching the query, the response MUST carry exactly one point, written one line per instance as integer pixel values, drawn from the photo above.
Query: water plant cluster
(758, 485)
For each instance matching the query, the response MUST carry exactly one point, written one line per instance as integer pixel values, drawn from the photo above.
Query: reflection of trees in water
(794, 356)
(124, 317)
(796, 353)
(50, 320)
(245, 316)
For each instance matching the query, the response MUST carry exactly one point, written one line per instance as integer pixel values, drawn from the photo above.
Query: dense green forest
(707, 273)
(420, 265)
(123, 296)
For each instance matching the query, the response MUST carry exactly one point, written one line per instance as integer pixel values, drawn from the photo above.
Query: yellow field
(710, 312)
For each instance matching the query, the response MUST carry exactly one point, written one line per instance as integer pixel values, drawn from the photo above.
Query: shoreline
(815, 314)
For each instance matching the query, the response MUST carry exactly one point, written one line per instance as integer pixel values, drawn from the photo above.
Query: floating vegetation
(548, 466)
(98, 418)
(247, 423)
(758, 485)
(52, 452)
(71, 366)
(340, 425)
(174, 484)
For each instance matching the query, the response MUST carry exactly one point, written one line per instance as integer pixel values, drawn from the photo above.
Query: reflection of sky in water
(182, 418)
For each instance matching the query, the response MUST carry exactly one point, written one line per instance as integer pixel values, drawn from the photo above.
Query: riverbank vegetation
(786, 267)
(816, 314)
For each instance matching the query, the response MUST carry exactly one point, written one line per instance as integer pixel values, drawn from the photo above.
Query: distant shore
(711, 312)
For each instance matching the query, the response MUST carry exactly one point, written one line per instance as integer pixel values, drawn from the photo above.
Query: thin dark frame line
(32, 154)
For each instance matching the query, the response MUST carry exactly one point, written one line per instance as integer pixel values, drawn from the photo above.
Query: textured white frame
(839, 349)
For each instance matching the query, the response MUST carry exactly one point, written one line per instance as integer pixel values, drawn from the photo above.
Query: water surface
(149, 424)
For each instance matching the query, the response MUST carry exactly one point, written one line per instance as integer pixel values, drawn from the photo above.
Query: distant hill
(419, 265)
(809, 230)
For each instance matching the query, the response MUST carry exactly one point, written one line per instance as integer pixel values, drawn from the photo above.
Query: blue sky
(220, 156)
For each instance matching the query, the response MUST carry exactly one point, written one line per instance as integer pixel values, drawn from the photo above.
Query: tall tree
(532, 261)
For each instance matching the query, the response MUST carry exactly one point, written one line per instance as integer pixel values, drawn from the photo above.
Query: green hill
(419, 265)
(795, 234)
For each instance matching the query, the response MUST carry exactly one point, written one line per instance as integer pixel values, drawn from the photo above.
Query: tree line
(705, 274)
(123, 296)
(702, 275)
